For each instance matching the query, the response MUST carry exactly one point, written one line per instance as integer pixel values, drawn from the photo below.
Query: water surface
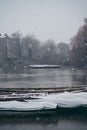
(44, 78)
(51, 123)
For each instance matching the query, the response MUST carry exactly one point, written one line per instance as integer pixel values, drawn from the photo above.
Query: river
(44, 78)
(74, 122)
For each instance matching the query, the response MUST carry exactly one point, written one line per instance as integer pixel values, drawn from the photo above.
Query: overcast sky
(54, 19)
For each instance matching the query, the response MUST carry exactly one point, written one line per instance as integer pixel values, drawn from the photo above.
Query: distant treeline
(18, 52)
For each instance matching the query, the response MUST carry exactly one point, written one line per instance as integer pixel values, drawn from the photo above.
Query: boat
(43, 66)
(35, 102)
(26, 108)
(21, 96)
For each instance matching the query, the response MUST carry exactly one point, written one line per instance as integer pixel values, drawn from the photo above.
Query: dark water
(51, 123)
(44, 78)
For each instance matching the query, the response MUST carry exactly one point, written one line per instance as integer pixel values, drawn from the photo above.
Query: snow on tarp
(64, 100)
(67, 99)
(26, 106)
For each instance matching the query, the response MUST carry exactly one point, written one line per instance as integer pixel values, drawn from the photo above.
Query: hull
(13, 113)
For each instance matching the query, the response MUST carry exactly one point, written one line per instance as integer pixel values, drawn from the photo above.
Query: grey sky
(55, 19)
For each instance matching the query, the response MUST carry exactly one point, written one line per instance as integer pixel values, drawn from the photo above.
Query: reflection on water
(53, 123)
(44, 78)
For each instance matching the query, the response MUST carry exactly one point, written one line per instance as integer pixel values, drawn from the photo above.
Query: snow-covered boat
(21, 96)
(46, 103)
(27, 107)
(43, 66)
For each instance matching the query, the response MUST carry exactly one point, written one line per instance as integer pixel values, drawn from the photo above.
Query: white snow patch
(66, 99)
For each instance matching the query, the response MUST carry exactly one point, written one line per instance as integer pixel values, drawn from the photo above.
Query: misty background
(52, 32)
(55, 19)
